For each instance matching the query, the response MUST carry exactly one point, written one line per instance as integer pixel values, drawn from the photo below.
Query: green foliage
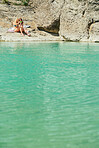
(24, 2)
(4, 1)
(17, 4)
(21, 2)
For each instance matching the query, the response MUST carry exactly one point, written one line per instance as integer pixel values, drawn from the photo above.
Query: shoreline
(38, 35)
(48, 41)
(45, 40)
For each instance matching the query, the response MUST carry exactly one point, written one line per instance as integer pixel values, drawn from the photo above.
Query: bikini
(15, 26)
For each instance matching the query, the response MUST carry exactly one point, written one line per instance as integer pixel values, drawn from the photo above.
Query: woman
(18, 27)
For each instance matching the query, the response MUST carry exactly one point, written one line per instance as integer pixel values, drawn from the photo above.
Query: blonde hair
(16, 20)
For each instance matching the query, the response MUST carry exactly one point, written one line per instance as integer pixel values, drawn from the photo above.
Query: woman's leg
(26, 31)
(22, 30)
(17, 29)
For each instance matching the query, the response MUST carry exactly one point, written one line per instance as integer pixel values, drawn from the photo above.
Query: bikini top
(15, 26)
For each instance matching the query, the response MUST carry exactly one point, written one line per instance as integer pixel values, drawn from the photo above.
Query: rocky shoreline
(53, 20)
(17, 37)
(35, 36)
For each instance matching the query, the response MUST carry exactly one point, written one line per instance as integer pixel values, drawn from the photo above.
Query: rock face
(48, 14)
(77, 17)
(72, 20)
(94, 32)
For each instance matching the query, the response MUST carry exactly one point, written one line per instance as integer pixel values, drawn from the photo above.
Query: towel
(11, 30)
(27, 26)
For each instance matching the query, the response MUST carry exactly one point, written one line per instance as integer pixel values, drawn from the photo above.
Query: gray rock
(94, 32)
(76, 19)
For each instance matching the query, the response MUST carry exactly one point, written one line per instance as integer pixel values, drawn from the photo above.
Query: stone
(65, 19)
(94, 32)
(76, 17)
(48, 15)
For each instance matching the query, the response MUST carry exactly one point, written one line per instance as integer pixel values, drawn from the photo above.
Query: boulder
(76, 18)
(47, 13)
(94, 32)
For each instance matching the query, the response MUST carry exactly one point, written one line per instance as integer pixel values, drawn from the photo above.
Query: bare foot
(29, 34)
(22, 34)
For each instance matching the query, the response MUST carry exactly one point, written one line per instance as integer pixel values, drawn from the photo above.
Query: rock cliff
(70, 20)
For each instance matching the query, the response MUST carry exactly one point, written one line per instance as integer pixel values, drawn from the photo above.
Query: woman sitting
(18, 27)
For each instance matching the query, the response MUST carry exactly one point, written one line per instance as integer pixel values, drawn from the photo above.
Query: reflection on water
(49, 95)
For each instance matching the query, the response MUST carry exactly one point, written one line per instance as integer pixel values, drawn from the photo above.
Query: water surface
(49, 95)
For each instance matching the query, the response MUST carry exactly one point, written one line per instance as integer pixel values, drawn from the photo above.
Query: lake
(49, 95)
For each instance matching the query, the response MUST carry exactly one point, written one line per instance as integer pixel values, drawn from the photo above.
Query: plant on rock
(24, 2)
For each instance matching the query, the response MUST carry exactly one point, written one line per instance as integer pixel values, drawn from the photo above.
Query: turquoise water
(49, 95)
